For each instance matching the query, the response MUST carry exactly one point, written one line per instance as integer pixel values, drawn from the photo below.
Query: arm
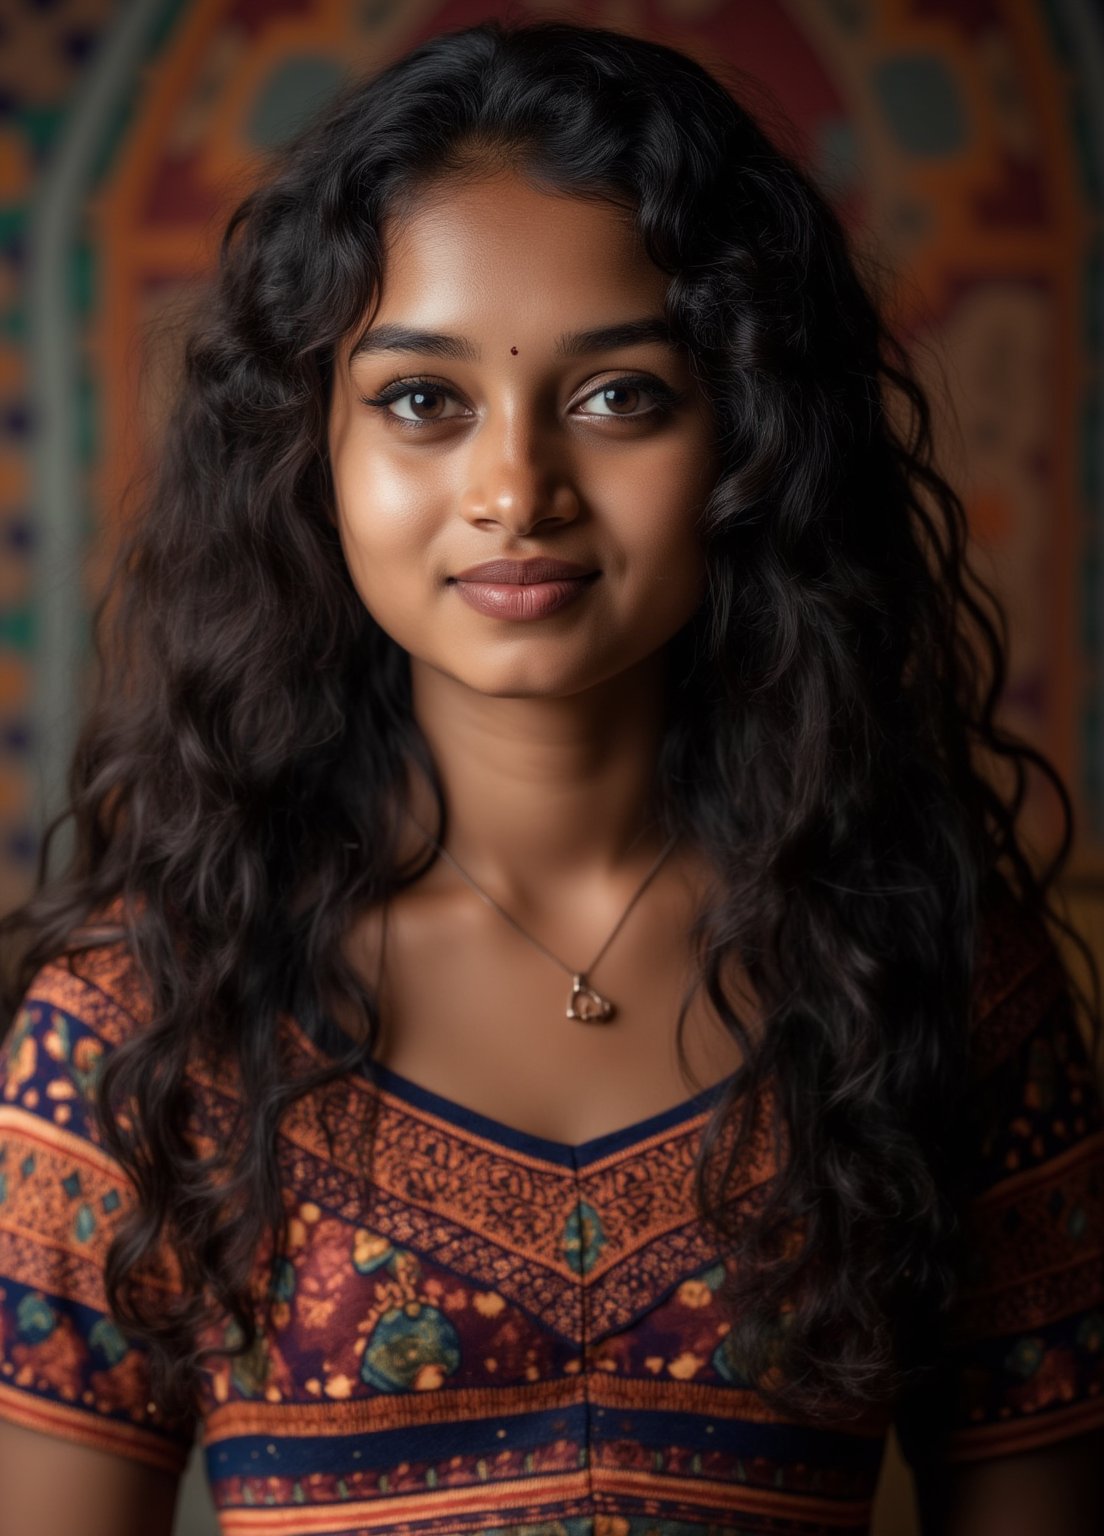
(1053, 1491)
(55, 1487)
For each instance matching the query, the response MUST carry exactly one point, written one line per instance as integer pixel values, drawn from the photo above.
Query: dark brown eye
(428, 402)
(423, 401)
(631, 398)
(622, 398)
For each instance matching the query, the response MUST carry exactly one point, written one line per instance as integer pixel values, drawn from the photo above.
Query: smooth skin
(545, 734)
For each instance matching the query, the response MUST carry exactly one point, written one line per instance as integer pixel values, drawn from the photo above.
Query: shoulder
(66, 1367)
(76, 1009)
(60, 1182)
(1023, 1364)
(1033, 1111)
(1020, 984)
(95, 981)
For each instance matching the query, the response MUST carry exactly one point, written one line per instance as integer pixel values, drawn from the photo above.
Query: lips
(523, 600)
(523, 572)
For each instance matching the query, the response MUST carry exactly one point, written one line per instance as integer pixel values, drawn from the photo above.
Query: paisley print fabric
(504, 1334)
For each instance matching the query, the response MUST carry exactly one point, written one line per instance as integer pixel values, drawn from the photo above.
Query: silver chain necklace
(584, 1002)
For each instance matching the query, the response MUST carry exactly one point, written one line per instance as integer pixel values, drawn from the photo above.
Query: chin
(525, 683)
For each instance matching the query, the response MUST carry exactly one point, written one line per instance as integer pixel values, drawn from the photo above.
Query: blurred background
(962, 141)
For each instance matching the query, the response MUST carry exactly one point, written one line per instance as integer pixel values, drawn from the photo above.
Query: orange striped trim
(367, 1415)
(487, 1499)
(450, 1405)
(712, 1495)
(388, 1510)
(665, 1395)
(1028, 1434)
(88, 1428)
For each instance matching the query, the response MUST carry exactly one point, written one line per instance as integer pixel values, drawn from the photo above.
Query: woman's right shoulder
(76, 1008)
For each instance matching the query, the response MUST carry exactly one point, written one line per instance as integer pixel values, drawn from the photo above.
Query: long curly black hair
(830, 740)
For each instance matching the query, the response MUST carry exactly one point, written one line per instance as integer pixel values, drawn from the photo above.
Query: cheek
(388, 520)
(386, 556)
(382, 503)
(386, 561)
(659, 506)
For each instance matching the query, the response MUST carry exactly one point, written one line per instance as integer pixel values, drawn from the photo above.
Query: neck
(544, 793)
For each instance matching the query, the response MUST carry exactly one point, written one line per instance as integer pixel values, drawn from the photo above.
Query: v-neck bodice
(489, 1128)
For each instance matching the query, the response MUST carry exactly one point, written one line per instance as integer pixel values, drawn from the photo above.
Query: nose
(518, 479)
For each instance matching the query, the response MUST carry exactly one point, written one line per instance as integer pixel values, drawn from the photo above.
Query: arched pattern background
(963, 140)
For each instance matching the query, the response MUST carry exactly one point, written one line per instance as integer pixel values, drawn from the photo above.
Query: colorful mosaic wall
(957, 136)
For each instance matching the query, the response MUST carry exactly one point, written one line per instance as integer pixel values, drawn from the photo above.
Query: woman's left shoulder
(1021, 988)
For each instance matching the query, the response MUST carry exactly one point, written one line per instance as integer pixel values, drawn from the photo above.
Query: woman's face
(505, 432)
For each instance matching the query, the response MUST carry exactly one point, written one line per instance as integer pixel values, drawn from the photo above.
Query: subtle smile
(523, 600)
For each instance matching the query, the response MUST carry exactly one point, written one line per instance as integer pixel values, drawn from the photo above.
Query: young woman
(548, 1025)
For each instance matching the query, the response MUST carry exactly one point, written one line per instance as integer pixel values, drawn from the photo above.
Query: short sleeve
(1023, 1362)
(66, 1368)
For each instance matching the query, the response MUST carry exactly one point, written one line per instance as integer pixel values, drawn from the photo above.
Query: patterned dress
(515, 1335)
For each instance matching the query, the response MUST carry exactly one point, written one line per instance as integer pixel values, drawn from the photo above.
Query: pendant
(586, 1004)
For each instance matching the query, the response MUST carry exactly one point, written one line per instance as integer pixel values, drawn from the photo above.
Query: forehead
(499, 251)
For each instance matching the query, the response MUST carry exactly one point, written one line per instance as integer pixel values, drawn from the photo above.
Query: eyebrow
(405, 338)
